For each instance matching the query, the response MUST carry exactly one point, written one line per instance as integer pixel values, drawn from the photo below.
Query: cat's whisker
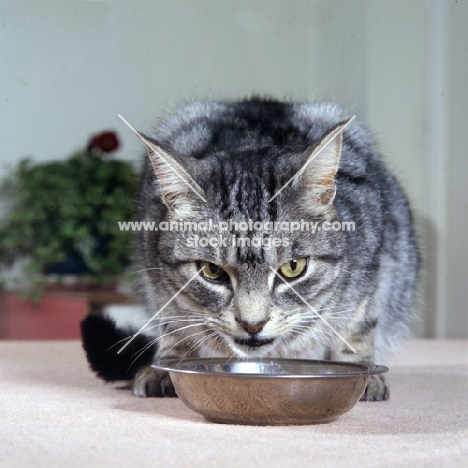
(335, 307)
(329, 314)
(118, 342)
(183, 339)
(321, 309)
(297, 327)
(142, 351)
(149, 328)
(309, 318)
(144, 269)
(179, 329)
(170, 317)
(215, 341)
(193, 314)
(314, 319)
(344, 312)
(162, 322)
(196, 346)
(161, 309)
(316, 337)
(230, 357)
(155, 340)
(156, 325)
(168, 322)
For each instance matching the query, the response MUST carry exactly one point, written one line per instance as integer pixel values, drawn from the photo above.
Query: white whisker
(139, 353)
(161, 309)
(196, 345)
(144, 269)
(183, 339)
(313, 310)
(120, 341)
(155, 340)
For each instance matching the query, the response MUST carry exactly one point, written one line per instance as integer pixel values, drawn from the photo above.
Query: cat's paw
(376, 389)
(149, 382)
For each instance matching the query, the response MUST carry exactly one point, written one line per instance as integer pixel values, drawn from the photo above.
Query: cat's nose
(252, 328)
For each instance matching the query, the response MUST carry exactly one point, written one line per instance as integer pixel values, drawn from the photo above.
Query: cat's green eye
(211, 271)
(293, 268)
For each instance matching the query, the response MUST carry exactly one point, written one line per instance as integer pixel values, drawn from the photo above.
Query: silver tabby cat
(338, 294)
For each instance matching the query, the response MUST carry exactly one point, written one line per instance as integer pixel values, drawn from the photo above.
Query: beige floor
(55, 413)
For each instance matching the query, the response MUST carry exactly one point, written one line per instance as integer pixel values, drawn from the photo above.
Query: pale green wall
(68, 68)
(455, 174)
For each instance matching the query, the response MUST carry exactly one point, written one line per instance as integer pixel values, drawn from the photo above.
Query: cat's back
(201, 129)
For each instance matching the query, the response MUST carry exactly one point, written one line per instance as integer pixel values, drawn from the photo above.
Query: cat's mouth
(253, 342)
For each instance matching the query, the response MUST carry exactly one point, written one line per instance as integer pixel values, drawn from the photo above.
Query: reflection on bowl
(269, 391)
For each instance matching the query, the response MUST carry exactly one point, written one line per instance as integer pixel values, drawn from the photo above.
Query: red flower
(105, 142)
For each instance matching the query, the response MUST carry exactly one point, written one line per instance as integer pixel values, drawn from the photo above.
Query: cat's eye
(293, 268)
(212, 271)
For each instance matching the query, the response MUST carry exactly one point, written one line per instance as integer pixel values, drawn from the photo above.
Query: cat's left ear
(320, 165)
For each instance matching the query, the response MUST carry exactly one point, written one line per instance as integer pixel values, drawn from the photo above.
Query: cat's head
(254, 291)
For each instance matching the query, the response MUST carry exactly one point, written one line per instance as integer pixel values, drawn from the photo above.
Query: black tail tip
(102, 340)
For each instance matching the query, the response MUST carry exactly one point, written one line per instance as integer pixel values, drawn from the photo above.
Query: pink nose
(252, 328)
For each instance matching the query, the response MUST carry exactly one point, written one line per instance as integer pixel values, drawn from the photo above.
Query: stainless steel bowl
(269, 391)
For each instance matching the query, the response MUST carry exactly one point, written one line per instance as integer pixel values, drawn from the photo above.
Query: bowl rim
(173, 365)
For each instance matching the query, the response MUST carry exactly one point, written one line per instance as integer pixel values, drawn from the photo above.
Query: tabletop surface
(54, 412)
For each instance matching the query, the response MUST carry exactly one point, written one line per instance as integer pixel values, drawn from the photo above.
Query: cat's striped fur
(238, 155)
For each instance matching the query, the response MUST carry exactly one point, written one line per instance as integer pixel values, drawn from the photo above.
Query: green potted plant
(64, 215)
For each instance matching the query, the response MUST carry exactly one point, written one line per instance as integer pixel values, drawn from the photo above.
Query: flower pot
(72, 265)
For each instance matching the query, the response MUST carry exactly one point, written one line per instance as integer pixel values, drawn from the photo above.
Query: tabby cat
(323, 293)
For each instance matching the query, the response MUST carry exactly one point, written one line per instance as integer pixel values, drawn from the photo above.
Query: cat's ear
(180, 193)
(320, 165)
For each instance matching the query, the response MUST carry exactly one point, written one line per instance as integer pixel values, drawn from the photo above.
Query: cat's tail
(102, 340)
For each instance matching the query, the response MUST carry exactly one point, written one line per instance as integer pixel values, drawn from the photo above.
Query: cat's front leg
(376, 389)
(150, 382)
(360, 348)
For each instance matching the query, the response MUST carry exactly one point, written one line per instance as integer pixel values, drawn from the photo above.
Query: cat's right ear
(180, 193)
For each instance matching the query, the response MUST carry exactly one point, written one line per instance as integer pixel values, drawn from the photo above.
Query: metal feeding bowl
(269, 391)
